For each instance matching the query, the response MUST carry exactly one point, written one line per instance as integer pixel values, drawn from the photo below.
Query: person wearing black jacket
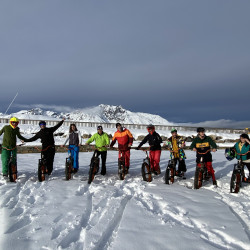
(48, 143)
(154, 140)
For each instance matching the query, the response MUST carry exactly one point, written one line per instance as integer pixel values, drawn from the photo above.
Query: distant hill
(101, 113)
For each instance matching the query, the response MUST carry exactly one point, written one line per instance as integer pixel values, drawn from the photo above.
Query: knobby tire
(146, 172)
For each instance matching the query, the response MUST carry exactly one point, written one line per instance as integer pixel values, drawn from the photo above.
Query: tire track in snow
(74, 234)
(112, 228)
(240, 219)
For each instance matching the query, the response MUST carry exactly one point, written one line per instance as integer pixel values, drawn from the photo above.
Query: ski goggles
(42, 124)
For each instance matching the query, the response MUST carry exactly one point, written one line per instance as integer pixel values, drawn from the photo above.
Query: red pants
(126, 155)
(154, 157)
(209, 168)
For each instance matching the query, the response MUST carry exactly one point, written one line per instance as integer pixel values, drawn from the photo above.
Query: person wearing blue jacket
(242, 149)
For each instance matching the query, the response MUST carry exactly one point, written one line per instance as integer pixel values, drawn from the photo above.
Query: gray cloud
(184, 60)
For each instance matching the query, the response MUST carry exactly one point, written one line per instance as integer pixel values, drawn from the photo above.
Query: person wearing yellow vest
(11, 132)
(176, 145)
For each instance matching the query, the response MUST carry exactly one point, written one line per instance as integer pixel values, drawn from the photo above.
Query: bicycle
(200, 172)
(146, 168)
(12, 165)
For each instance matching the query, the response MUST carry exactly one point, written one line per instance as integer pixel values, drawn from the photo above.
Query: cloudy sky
(186, 60)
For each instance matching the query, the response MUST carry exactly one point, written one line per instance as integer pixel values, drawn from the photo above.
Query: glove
(137, 148)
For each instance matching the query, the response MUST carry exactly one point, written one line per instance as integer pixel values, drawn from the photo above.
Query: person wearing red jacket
(125, 141)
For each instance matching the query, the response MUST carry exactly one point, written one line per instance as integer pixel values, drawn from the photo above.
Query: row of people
(202, 144)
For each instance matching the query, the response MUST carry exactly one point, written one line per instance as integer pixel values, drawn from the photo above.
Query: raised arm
(59, 124)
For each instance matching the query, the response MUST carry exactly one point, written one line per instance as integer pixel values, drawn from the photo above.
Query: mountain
(101, 113)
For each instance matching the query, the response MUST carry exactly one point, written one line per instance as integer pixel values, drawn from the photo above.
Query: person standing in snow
(125, 141)
(11, 132)
(154, 140)
(75, 140)
(101, 142)
(176, 145)
(48, 143)
(202, 145)
(242, 148)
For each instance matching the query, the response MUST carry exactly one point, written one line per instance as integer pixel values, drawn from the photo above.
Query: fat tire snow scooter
(238, 171)
(69, 169)
(122, 170)
(94, 166)
(236, 178)
(12, 166)
(42, 166)
(170, 172)
(146, 168)
(200, 172)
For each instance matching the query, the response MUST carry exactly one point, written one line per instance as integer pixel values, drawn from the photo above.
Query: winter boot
(103, 171)
(183, 176)
(215, 183)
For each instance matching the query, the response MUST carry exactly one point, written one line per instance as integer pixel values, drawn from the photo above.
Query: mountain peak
(102, 113)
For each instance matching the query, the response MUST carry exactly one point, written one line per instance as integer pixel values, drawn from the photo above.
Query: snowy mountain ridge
(101, 113)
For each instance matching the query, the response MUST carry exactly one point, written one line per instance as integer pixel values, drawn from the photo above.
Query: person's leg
(5, 156)
(127, 158)
(49, 155)
(151, 158)
(182, 166)
(76, 157)
(244, 178)
(104, 158)
(210, 170)
(157, 157)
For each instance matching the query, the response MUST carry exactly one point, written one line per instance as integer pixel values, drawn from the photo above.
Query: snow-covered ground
(129, 214)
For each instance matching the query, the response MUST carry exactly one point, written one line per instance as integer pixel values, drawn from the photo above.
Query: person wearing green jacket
(101, 142)
(11, 132)
(202, 145)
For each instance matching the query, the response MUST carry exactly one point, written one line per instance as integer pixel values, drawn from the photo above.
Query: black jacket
(46, 136)
(153, 140)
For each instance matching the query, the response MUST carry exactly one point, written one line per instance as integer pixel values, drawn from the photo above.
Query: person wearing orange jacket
(125, 141)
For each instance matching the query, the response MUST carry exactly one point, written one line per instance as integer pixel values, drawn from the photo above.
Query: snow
(114, 214)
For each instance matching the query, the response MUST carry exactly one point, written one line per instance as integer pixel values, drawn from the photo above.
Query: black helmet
(150, 126)
(117, 124)
(200, 129)
(99, 127)
(42, 123)
(245, 136)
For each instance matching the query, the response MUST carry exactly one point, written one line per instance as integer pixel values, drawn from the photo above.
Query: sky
(188, 61)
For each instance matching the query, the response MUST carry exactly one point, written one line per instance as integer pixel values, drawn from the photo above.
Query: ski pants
(104, 157)
(247, 164)
(181, 165)
(209, 168)
(126, 155)
(154, 157)
(6, 158)
(49, 155)
(74, 151)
